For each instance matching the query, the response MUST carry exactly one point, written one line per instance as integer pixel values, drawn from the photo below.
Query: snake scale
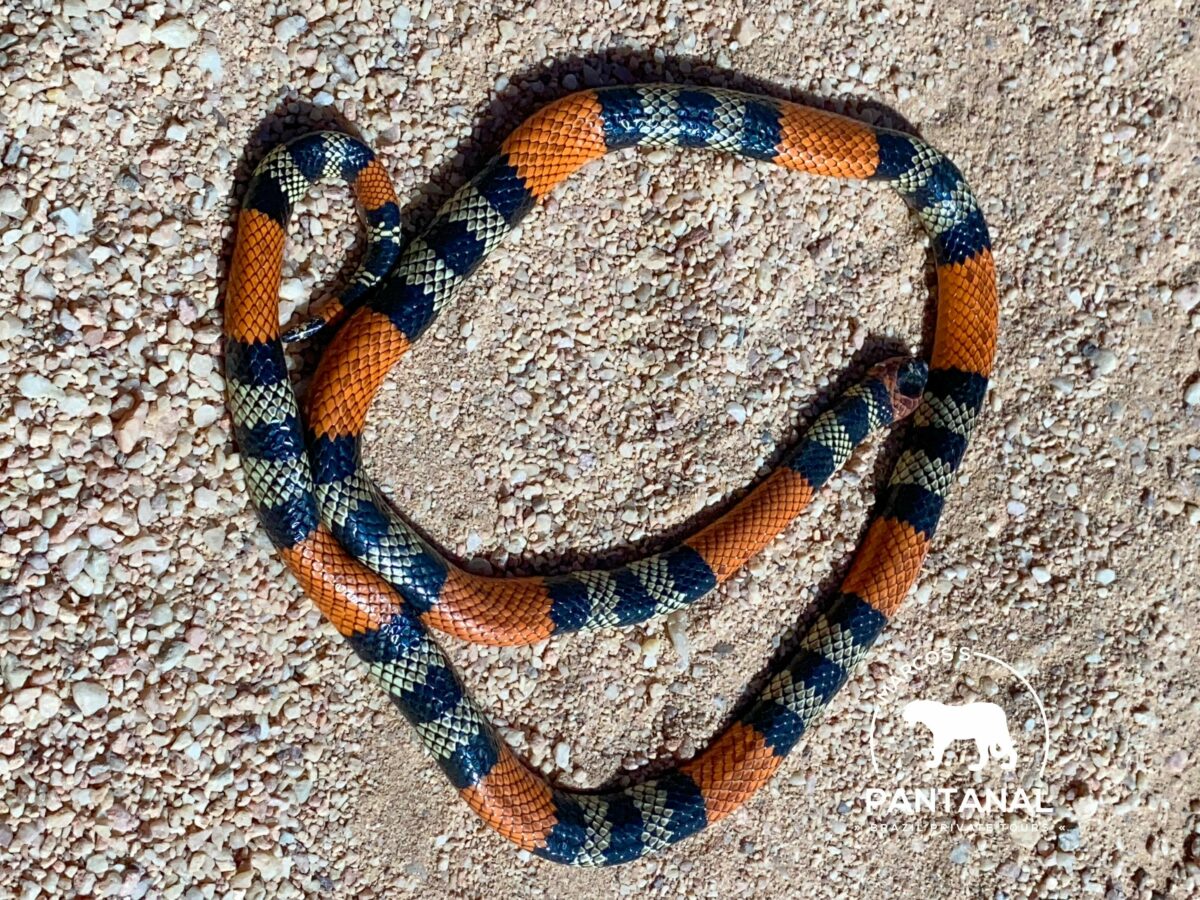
(384, 587)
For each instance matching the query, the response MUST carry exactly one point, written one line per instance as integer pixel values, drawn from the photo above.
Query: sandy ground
(177, 722)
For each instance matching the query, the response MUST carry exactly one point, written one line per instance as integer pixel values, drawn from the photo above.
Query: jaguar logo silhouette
(983, 723)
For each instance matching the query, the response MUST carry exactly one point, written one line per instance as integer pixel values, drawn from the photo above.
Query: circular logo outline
(964, 652)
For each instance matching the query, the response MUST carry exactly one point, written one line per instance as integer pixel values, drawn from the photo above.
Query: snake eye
(911, 378)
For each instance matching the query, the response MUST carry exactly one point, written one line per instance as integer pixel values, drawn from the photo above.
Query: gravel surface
(176, 721)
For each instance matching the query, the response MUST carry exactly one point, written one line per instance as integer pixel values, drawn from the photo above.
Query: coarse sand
(177, 721)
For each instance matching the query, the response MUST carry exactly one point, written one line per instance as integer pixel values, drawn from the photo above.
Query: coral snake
(385, 588)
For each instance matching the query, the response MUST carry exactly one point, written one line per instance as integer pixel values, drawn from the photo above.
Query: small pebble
(1070, 839)
(289, 28)
(38, 387)
(1177, 762)
(175, 33)
(562, 755)
(1191, 394)
(89, 697)
(1105, 361)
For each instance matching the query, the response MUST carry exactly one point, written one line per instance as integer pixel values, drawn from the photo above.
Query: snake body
(384, 587)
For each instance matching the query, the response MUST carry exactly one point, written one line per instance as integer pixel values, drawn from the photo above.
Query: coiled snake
(383, 587)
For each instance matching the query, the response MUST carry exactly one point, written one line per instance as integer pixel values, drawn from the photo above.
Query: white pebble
(746, 33)
(206, 414)
(89, 697)
(677, 632)
(289, 28)
(562, 755)
(401, 19)
(270, 866)
(71, 221)
(209, 61)
(1191, 394)
(38, 387)
(132, 32)
(1105, 361)
(165, 235)
(651, 647)
(176, 34)
(91, 83)
(73, 403)
(10, 202)
(1085, 808)
(1187, 296)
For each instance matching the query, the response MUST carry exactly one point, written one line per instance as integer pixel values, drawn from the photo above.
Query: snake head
(904, 377)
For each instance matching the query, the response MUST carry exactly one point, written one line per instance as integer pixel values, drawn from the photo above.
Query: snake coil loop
(383, 587)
